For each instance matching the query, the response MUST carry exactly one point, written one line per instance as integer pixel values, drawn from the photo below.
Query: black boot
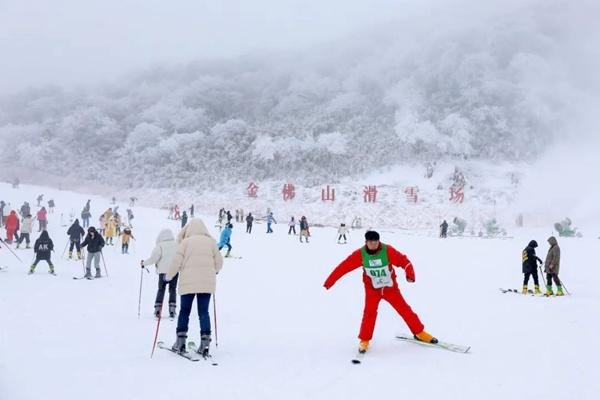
(205, 340)
(179, 345)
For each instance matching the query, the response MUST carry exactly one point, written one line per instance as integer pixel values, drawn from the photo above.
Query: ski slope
(282, 335)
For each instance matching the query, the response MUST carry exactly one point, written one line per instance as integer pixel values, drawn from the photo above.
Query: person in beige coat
(161, 257)
(197, 261)
(552, 266)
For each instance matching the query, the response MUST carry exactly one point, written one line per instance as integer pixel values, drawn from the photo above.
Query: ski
(529, 292)
(192, 348)
(188, 354)
(359, 357)
(442, 345)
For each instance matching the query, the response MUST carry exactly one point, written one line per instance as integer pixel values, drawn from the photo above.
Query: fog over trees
(496, 88)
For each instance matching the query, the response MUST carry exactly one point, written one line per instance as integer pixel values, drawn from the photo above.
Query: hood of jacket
(552, 240)
(194, 228)
(166, 235)
(533, 244)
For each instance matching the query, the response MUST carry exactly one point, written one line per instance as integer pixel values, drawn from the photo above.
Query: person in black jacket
(530, 266)
(75, 233)
(94, 243)
(184, 219)
(249, 220)
(42, 248)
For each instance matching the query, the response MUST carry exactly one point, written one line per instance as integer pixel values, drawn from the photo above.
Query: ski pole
(65, 250)
(156, 333)
(104, 263)
(9, 249)
(215, 317)
(140, 296)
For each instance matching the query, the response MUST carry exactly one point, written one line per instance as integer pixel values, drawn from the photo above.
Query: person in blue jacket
(270, 221)
(225, 239)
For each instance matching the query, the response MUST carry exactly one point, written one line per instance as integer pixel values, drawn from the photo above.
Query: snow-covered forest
(498, 87)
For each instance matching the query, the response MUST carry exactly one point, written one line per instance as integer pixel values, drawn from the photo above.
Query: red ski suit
(12, 222)
(373, 296)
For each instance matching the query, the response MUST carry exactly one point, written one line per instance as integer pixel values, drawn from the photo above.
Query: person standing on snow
(444, 229)
(42, 217)
(11, 225)
(303, 229)
(184, 219)
(161, 257)
(552, 266)
(342, 231)
(43, 248)
(76, 233)
(249, 220)
(51, 205)
(94, 243)
(292, 225)
(110, 230)
(225, 239)
(26, 229)
(530, 267)
(86, 215)
(126, 237)
(197, 261)
(379, 278)
(270, 221)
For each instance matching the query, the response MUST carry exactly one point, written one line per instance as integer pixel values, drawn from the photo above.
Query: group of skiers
(551, 267)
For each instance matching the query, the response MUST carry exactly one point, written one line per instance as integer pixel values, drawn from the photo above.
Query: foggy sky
(82, 42)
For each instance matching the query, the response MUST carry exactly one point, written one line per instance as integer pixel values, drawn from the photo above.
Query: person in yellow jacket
(126, 237)
(110, 230)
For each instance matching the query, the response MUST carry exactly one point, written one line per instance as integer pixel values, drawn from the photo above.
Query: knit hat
(371, 235)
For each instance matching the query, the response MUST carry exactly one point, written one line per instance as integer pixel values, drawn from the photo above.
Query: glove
(411, 280)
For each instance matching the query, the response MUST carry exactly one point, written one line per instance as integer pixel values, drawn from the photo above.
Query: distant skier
(530, 261)
(176, 214)
(26, 229)
(444, 229)
(225, 239)
(76, 233)
(43, 248)
(552, 267)
(184, 218)
(2, 208)
(197, 260)
(192, 211)
(42, 217)
(161, 257)
(270, 221)
(86, 215)
(39, 200)
(25, 209)
(249, 221)
(292, 225)
(110, 231)
(303, 229)
(342, 231)
(379, 279)
(129, 217)
(229, 216)
(94, 243)
(132, 201)
(126, 237)
(51, 205)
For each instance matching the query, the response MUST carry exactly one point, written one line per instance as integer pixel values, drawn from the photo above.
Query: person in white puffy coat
(197, 261)
(161, 257)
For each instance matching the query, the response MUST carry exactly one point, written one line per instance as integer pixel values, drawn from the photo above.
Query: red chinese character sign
(412, 194)
(328, 194)
(252, 190)
(370, 194)
(457, 193)
(289, 192)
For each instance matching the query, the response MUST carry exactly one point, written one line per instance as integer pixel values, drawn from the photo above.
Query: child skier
(342, 230)
(42, 248)
(26, 228)
(126, 237)
(379, 279)
(76, 233)
(225, 239)
(303, 229)
(530, 266)
(292, 225)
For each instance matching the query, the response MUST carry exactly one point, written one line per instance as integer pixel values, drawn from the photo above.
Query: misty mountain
(494, 88)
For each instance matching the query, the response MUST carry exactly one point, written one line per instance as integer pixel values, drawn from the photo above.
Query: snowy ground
(282, 335)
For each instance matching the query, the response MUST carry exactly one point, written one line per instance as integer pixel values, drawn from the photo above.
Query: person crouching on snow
(379, 278)
(126, 237)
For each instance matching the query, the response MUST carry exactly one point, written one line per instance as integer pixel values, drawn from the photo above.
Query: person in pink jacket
(42, 217)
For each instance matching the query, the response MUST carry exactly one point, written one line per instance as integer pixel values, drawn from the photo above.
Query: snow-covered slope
(282, 335)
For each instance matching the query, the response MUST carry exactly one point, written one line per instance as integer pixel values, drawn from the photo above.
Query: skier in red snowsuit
(12, 222)
(379, 278)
